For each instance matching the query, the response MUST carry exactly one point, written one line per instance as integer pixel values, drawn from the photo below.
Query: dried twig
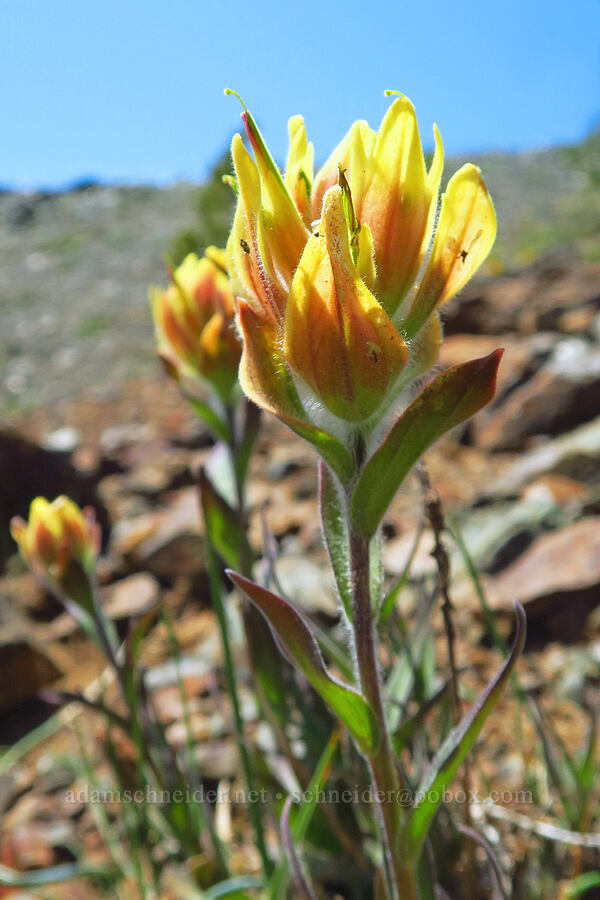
(543, 829)
(435, 517)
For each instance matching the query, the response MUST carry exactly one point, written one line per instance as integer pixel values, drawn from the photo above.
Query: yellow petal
(365, 264)
(282, 233)
(465, 234)
(244, 263)
(217, 256)
(394, 197)
(337, 337)
(263, 374)
(251, 267)
(327, 175)
(299, 168)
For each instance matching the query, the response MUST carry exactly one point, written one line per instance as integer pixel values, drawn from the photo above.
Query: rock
(218, 759)
(168, 542)
(307, 584)
(64, 440)
(495, 535)
(174, 670)
(118, 437)
(25, 668)
(575, 454)
(23, 594)
(557, 489)
(537, 299)
(557, 580)
(169, 471)
(133, 596)
(489, 307)
(561, 395)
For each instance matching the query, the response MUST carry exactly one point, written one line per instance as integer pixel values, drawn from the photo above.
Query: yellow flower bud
(193, 321)
(60, 543)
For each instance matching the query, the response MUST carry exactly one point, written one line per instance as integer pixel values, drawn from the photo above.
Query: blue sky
(133, 89)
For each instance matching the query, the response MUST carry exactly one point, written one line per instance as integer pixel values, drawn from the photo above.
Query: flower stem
(245, 564)
(387, 783)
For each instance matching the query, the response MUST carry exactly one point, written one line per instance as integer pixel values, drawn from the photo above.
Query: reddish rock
(563, 394)
(557, 580)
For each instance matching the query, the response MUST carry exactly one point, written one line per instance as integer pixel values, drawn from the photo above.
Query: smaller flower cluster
(193, 320)
(60, 543)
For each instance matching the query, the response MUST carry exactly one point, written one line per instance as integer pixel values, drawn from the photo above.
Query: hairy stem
(400, 875)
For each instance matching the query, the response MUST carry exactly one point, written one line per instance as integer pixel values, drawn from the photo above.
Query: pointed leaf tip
(450, 399)
(460, 740)
(298, 643)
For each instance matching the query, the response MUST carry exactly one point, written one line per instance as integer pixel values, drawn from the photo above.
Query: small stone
(63, 440)
(25, 668)
(133, 596)
(557, 579)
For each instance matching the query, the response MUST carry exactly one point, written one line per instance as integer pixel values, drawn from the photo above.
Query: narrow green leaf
(210, 418)
(333, 451)
(232, 888)
(254, 810)
(498, 640)
(303, 818)
(298, 643)
(453, 397)
(408, 726)
(138, 630)
(581, 885)
(244, 447)
(389, 601)
(302, 885)
(458, 743)
(223, 526)
(335, 529)
(411, 662)
(51, 875)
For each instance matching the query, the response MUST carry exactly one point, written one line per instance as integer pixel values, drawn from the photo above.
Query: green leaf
(210, 418)
(411, 663)
(301, 821)
(232, 888)
(581, 885)
(223, 526)
(335, 529)
(389, 601)
(497, 639)
(138, 630)
(302, 885)
(298, 643)
(406, 729)
(244, 447)
(453, 397)
(332, 451)
(51, 875)
(458, 743)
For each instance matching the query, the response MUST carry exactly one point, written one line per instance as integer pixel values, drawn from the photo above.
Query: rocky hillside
(75, 266)
(520, 484)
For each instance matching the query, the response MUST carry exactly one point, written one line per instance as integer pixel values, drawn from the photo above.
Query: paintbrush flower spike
(193, 321)
(326, 268)
(60, 543)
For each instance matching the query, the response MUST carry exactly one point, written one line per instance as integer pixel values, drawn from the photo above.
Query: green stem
(400, 874)
(219, 606)
(245, 565)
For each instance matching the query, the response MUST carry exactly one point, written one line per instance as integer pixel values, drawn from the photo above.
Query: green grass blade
(458, 743)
